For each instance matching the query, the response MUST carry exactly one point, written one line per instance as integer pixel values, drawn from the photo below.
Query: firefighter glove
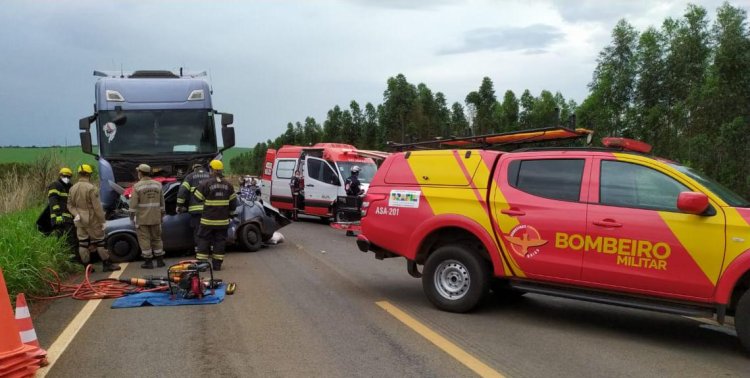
(58, 220)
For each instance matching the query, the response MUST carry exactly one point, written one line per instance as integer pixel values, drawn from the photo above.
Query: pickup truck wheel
(742, 320)
(250, 237)
(455, 279)
(123, 247)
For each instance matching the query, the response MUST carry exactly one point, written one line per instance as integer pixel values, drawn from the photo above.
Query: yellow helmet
(216, 165)
(85, 168)
(65, 171)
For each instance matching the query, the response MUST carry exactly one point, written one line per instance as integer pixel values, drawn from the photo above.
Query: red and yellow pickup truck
(610, 225)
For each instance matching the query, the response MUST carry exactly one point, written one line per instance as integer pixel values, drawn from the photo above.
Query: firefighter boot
(160, 262)
(107, 266)
(216, 264)
(148, 263)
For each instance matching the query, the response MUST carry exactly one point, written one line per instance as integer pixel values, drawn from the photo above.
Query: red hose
(101, 289)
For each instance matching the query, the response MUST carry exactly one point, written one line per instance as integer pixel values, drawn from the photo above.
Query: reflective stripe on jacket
(185, 195)
(219, 200)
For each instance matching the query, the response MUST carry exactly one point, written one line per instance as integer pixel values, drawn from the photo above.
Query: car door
(321, 186)
(638, 240)
(539, 199)
(281, 192)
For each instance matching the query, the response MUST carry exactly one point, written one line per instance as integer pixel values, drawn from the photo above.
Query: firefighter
(146, 212)
(297, 185)
(88, 217)
(57, 195)
(186, 201)
(219, 202)
(354, 189)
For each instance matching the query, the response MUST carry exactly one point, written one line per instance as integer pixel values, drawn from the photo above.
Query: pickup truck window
(558, 179)
(631, 185)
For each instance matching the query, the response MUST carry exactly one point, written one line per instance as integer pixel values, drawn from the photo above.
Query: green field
(73, 156)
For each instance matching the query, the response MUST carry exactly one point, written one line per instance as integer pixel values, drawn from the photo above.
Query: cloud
(596, 11)
(532, 38)
(404, 4)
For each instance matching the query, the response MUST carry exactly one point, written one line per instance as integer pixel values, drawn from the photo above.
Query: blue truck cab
(159, 118)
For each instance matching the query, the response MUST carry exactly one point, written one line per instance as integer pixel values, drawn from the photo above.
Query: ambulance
(612, 225)
(324, 169)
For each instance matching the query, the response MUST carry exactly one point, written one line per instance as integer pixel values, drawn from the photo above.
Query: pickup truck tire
(250, 237)
(742, 320)
(455, 279)
(123, 247)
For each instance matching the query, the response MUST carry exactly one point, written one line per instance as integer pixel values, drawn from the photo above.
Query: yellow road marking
(441, 342)
(69, 333)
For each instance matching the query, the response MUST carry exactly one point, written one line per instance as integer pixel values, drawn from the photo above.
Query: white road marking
(69, 333)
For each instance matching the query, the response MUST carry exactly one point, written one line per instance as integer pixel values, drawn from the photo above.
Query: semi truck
(161, 118)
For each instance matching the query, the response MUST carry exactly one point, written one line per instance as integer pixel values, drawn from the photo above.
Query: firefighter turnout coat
(57, 195)
(219, 201)
(185, 195)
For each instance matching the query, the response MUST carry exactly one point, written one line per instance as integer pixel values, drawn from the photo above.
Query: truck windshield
(157, 132)
(731, 198)
(366, 173)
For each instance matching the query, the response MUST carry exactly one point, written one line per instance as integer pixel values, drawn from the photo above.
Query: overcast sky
(272, 62)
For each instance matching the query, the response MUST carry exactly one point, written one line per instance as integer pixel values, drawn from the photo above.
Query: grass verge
(25, 252)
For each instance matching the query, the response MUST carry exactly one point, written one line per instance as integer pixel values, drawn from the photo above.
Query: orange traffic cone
(26, 329)
(15, 357)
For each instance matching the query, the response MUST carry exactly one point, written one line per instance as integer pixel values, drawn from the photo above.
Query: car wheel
(123, 247)
(250, 237)
(455, 279)
(742, 320)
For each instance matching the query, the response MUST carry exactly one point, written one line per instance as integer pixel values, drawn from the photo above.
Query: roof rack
(500, 139)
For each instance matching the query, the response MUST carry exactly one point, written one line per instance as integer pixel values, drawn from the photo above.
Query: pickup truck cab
(609, 225)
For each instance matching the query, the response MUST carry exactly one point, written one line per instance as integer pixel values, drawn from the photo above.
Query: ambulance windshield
(731, 198)
(366, 173)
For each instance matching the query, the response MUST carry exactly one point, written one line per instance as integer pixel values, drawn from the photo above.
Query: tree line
(683, 87)
(411, 113)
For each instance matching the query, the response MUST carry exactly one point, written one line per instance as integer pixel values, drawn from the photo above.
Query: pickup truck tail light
(369, 199)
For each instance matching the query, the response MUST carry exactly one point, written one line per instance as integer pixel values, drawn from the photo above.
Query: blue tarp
(161, 298)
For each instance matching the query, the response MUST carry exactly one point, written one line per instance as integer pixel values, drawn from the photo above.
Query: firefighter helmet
(217, 165)
(65, 171)
(85, 169)
(356, 169)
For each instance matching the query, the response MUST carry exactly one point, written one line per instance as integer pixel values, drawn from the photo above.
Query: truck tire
(123, 247)
(250, 237)
(455, 279)
(742, 320)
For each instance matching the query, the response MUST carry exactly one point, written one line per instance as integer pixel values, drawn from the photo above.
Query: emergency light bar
(510, 138)
(626, 144)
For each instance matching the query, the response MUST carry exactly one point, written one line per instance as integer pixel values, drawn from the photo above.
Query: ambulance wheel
(250, 237)
(742, 320)
(455, 279)
(123, 247)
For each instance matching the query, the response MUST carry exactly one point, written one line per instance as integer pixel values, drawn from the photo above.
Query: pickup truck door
(321, 186)
(639, 241)
(539, 199)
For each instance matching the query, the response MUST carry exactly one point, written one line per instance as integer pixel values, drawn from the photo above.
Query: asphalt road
(308, 308)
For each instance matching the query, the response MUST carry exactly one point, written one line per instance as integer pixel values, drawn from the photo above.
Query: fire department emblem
(525, 240)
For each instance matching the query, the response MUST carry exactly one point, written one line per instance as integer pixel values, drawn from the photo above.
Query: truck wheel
(455, 279)
(742, 320)
(250, 237)
(123, 247)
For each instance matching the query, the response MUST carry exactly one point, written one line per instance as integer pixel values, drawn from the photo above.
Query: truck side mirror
(227, 136)
(227, 119)
(86, 142)
(85, 122)
(692, 202)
